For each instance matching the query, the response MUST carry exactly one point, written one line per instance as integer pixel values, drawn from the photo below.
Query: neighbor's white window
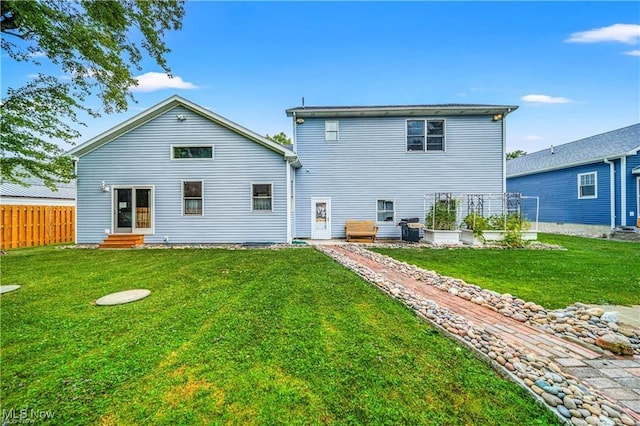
(385, 212)
(331, 130)
(425, 135)
(262, 197)
(588, 185)
(190, 152)
(192, 197)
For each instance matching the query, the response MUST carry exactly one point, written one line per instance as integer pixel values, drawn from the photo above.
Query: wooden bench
(361, 230)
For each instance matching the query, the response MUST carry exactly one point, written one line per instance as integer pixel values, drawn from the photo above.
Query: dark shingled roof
(397, 110)
(584, 151)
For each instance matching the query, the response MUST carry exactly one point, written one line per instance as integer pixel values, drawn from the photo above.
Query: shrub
(442, 215)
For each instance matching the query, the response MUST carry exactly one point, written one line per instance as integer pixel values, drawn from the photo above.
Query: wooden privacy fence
(27, 226)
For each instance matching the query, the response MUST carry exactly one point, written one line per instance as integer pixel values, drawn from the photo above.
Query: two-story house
(180, 173)
(378, 162)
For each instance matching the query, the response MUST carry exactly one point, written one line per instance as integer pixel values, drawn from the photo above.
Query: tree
(280, 138)
(91, 42)
(515, 154)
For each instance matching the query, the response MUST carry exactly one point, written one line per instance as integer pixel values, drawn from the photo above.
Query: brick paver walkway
(617, 378)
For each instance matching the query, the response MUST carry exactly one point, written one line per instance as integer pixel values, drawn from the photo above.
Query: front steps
(122, 241)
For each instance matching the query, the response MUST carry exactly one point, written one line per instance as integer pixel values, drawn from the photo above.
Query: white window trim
(273, 198)
(182, 197)
(194, 145)
(337, 131)
(392, 222)
(595, 183)
(424, 148)
(134, 229)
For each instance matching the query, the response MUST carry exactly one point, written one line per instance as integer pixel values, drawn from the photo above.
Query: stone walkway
(616, 379)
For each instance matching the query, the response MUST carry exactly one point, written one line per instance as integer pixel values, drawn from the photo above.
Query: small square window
(385, 211)
(192, 198)
(331, 130)
(261, 195)
(588, 185)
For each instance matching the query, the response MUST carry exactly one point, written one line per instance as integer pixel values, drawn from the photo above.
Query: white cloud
(633, 52)
(624, 33)
(152, 81)
(545, 99)
(38, 54)
(533, 138)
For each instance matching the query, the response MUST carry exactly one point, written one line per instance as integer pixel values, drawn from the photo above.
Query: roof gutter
(612, 190)
(564, 166)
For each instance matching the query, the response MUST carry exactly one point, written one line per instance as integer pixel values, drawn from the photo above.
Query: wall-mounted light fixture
(181, 117)
(299, 120)
(104, 187)
(497, 117)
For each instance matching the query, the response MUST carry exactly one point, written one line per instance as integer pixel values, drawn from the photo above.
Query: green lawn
(589, 271)
(256, 337)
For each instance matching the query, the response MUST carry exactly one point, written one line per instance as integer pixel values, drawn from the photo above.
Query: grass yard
(589, 271)
(241, 337)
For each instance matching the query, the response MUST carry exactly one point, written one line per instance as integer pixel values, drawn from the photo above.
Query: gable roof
(167, 105)
(613, 144)
(400, 110)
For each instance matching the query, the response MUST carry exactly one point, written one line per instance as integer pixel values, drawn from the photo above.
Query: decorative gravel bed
(573, 402)
(591, 326)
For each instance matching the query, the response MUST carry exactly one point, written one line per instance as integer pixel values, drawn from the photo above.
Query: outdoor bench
(361, 230)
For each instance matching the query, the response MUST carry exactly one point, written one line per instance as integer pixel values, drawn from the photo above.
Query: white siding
(370, 162)
(143, 157)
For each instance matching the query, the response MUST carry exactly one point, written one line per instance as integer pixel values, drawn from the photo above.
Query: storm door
(321, 218)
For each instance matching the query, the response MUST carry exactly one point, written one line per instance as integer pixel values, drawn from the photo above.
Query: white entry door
(321, 218)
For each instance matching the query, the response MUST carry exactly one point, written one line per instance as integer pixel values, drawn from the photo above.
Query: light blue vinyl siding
(558, 192)
(143, 157)
(370, 162)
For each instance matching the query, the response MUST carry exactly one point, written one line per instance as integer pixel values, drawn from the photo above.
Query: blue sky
(572, 67)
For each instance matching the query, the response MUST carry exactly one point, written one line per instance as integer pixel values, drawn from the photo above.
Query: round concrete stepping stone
(8, 288)
(123, 297)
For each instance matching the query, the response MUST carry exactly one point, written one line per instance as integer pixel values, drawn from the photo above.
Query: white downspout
(612, 183)
(623, 190)
(288, 165)
(504, 154)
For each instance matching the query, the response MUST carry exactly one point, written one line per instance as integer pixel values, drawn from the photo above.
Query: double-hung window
(192, 197)
(425, 135)
(262, 197)
(331, 130)
(588, 185)
(385, 211)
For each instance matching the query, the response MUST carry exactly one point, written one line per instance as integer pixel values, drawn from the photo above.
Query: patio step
(122, 241)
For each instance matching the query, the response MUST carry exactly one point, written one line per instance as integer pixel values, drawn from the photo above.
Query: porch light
(104, 187)
(497, 117)
(299, 120)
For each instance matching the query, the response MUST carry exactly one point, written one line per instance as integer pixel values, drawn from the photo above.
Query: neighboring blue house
(378, 162)
(590, 186)
(180, 173)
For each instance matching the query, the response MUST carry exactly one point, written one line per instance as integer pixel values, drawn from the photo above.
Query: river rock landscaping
(572, 400)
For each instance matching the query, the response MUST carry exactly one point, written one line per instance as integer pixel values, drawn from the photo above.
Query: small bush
(442, 215)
